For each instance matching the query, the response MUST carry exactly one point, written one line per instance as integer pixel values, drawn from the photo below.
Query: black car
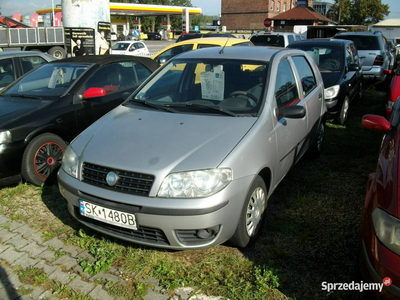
(340, 68)
(45, 109)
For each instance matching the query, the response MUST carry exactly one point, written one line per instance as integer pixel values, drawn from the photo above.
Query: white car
(130, 48)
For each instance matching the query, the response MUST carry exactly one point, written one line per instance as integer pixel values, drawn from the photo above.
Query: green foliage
(32, 275)
(358, 12)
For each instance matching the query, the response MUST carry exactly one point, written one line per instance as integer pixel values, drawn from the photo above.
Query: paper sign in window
(213, 85)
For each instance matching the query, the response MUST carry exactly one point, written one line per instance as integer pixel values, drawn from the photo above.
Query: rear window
(363, 42)
(268, 40)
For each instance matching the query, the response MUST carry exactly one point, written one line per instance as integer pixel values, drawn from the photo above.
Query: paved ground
(23, 246)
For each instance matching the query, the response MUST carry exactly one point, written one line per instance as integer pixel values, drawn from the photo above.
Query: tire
(344, 111)
(58, 52)
(360, 92)
(252, 216)
(315, 149)
(42, 158)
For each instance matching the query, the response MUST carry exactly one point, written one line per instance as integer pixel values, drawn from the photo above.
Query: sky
(209, 7)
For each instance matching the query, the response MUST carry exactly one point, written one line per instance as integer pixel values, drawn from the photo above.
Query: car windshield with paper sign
(201, 86)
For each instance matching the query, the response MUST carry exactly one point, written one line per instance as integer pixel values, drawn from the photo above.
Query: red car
(394, 92)
(380, 244)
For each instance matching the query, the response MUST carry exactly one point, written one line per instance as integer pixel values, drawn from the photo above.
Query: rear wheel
(252, 215)
(58, 52)
(42, 157)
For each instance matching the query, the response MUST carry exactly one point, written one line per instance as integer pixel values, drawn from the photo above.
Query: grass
(311, 233)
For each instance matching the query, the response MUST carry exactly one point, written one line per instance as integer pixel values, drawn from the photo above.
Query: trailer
(44, 39)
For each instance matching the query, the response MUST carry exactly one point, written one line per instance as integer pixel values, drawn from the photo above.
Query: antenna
(222, 50)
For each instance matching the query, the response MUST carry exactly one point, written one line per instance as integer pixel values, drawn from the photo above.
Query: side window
(6, 72)
(117, 76)
(306, 73)
(286, 89)
(290, 39)
(31, 62)
(165, 56)
(139, 45)
(199, 46)
(349, 56)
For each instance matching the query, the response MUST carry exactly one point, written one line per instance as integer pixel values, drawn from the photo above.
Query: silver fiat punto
(190, 159)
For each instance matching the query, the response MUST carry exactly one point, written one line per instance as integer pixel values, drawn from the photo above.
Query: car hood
(331, 78)
(16, 107)
(158, 143)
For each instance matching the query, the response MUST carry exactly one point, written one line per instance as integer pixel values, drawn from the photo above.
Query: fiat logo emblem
(111, 178)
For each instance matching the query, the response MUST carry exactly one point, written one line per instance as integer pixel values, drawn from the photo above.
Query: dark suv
(373, 52)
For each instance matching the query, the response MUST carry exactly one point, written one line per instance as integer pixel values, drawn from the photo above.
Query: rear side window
(6, 72)
(31, 62)
(290, 38)
(286, 89)
(306, 74)
(363, 42)
(199, 46)
(268, 40)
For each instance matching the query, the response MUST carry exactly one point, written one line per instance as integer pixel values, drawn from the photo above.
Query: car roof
(273, 33)
(106, 59)
(321, 41)
(6, 54)
(213, 41)
(359, 33)
(239, 53)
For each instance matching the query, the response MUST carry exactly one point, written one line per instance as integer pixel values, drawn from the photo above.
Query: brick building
(250, 15)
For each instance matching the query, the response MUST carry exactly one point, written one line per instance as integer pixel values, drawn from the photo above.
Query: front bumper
(333, 107)
(10, 162)
(162, 222)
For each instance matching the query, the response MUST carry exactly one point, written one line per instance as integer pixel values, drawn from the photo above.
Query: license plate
(111, 216)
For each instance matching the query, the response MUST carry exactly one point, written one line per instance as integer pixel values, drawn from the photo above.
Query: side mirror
(291, 112)
(376, 122)
(94, 92)
(354, 67)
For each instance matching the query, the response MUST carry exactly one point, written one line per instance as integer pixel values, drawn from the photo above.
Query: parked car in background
(341, 71)
(189, 36)
(45, 109)
(380, 233)
(168, 52)
(190, 160)
(373, 52)
(154, 35)
(14, 64)
(394, 90)
(276, 39)
(392, 52)
(130, 48)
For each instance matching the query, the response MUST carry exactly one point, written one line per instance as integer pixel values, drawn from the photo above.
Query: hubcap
(47, 159)
(345, 109)
(255, 209)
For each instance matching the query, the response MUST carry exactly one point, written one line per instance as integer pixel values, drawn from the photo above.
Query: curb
(22, 246)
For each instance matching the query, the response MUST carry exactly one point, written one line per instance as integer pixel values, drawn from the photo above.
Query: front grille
(128, 182)
(143, 234)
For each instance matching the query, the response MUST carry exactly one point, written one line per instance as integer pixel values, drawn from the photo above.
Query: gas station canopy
(134, 9)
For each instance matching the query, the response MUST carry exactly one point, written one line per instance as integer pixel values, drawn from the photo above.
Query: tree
(340, 11)
(366, 12)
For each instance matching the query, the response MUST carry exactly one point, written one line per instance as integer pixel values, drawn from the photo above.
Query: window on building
(284, 6)
(278, 6)
(272, 5)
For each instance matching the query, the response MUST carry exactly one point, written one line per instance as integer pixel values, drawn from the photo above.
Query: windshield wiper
(213, 108)
(159, 107)
(24, 96)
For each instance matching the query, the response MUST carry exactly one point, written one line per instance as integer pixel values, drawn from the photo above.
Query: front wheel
(252, 215)
(342, 118)
(42, 157)
(58, 52)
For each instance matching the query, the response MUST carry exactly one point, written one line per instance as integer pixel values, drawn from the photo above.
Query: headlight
(70, 162)
(331, 92)
(387, 229)
(5, 137)
(194, 184)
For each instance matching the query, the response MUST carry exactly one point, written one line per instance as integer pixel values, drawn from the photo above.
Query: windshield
(328, 57)
(207, 86)
(120, 46)
(48, 81)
